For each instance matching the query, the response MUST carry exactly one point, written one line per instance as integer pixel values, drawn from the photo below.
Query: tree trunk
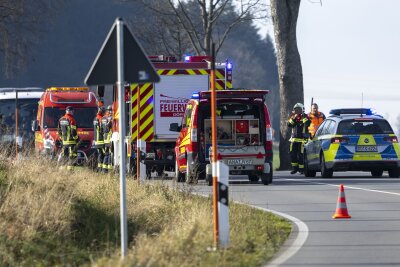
(284, 17)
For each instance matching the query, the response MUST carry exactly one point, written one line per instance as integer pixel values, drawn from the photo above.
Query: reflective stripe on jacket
(299, 125)
(67, 130)
(106, 125)
(98, 130)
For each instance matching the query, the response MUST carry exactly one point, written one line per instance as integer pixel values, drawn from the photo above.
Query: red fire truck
(164, 103)
(51, 108)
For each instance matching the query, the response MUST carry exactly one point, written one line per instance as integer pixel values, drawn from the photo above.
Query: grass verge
(53, 217)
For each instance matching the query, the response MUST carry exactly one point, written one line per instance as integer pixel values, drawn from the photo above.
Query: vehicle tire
(376, 173)
(179, 177)
(253, 178)
(188, 174)
(394, 173)
(209, 180)
(325, 172)
(266, 178)
(307, 171)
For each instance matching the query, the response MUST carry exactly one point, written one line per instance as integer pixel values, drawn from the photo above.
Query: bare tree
(161, 35)
(19, 29)
(284, 17)
(200, 20)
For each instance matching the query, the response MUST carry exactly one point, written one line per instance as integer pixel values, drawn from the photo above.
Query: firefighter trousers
(297, 156)
(100, 158)
(69, 156)
(107, 161)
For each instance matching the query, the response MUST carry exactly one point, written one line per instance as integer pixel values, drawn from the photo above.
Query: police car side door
(314, 147)
(324, 140)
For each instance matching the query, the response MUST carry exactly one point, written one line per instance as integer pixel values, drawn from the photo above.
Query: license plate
(367, 149)
(240, 161)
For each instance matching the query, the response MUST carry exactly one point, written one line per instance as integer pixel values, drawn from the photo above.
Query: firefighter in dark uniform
(299, 122)
(67, 131)
(106, 125)
(99, 138)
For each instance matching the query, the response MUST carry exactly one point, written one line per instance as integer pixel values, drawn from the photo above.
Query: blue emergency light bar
(229, 65)
(353, 111)
(221, 94)
(196, 95)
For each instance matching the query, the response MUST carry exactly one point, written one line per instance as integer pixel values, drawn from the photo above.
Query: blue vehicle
(353, 140)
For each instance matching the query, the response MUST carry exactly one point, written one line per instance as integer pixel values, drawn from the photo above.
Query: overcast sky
(350, 50)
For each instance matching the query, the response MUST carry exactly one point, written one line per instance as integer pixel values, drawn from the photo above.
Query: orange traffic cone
(341, 208)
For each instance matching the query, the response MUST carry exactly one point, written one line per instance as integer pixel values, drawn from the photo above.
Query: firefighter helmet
(299, 105)
(69, 108)
(109, 108)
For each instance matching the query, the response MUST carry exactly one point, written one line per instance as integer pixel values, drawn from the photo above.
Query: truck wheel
(266, 178)
(179, 177)
(189, 176)
(209, 179)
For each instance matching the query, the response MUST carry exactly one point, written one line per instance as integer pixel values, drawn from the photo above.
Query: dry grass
(50, 216)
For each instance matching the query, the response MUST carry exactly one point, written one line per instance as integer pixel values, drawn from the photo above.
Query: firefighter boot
(295, 168)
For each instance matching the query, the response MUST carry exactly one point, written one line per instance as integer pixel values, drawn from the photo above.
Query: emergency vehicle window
(326, 127)
(331, 128)
(320, 129)
(364, 127)
(187, 117)
(27, 110)
(83, 116)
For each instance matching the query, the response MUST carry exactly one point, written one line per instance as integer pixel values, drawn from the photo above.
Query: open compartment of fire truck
(235, 131)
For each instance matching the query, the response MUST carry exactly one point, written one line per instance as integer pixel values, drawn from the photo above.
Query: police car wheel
(394, 173)
(307, 171)
(376, 173)
(325, 172)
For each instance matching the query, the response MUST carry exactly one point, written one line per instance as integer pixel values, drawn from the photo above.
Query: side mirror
(174, 127)
(35, 126)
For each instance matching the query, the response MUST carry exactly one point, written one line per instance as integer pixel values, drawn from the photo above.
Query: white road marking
(295, 245)
(289, 249)
(346, 186)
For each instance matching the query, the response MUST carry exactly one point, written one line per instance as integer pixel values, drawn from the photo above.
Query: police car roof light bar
(353, 111)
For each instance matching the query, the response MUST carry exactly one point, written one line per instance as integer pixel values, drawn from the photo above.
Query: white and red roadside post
(220, 174)
(223, 203)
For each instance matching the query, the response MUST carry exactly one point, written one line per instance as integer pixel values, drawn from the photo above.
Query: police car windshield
(84, 116)
(27, 109)
(355, 126)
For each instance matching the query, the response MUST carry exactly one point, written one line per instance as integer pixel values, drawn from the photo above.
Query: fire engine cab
(52, 105)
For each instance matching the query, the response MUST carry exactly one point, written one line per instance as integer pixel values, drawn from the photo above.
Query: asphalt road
(370, 238)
